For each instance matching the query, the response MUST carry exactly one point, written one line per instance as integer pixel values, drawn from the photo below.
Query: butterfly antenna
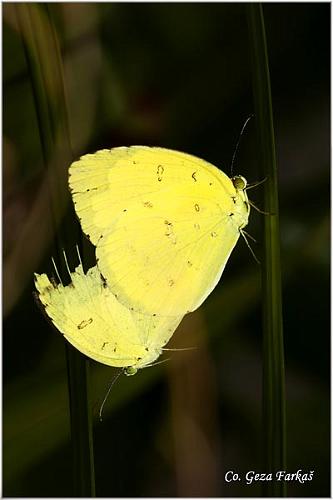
(248, 244)
(237, 145)
(179, 349)
(56, 270)
(113, 381)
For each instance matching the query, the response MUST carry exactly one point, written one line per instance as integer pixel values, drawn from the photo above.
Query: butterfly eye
(239, 182)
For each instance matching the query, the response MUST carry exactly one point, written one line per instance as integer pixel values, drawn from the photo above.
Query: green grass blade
(41, 46)
(81, 423)
(274, 419)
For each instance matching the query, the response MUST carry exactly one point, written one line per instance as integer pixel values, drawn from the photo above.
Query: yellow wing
(164, 224)
(92, 320)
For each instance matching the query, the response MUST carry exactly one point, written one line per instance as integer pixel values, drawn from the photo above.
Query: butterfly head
(149, 356)
(240, 207)
(130, 370)
(239, 182)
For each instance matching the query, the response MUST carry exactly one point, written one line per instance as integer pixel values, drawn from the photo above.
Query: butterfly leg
(255, 184)
(243, 233)
(258, 209)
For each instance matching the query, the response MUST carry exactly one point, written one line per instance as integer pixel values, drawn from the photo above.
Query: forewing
(107, 183)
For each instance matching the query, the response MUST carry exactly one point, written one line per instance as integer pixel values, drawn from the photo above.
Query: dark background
(178, 76)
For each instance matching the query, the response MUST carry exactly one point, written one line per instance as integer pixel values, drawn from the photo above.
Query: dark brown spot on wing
(169, 232)
(84, 323)
(160, 171)
(105, 285)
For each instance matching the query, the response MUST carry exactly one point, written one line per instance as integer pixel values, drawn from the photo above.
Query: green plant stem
(41, 46)
(274, 420)
(81, 423)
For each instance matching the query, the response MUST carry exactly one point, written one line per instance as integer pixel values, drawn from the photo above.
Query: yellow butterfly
(163, 222)
(94, 321)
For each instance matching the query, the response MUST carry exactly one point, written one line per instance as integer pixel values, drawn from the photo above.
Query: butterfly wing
(161, 222)
(105, 183)
(92, 320)
(167, 266)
